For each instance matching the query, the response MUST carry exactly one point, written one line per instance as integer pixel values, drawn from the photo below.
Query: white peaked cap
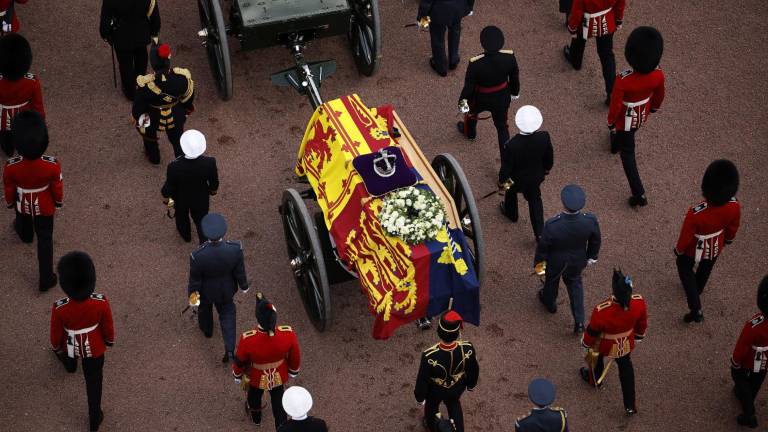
(297, 401)
(528, 119)
(192, 143)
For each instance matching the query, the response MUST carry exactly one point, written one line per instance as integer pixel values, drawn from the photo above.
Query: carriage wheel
(214, 36)
(306, 259)
(450, 173)
(365, 35)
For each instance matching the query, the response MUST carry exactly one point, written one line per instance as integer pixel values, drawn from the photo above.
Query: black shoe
(208, 335)
(433, 65)
(578, 328)
(550, 309)
(227, 356)
(567, 54)
(95, 423)
(460, 128)
(748, 421)
(423, 323)
(454, 65)
(692, 316)
(635, 201)
(584, 373)
(50, 283)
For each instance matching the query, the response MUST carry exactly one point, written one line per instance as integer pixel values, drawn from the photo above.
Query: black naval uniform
(491, 79)
(443, 376)
(216, 269)
(526, 159)
(190, 183)
(445, 15)
(167, 97)
(309, 424)
(543, 419)
(129, 26)
(567, 242)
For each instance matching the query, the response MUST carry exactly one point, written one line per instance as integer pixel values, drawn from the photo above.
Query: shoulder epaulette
(590, 215)
(523, 417)
(465, 343)
(142, 80)
(151, 8)
(604, 305)
(553, 219)
(431, 350)
(756, 321)
(556, 408)
(47, 158)
(190, 83)
(97, 296)
(699, 208)
(61, 302)
(626, 73)
(285, 328)
(199, 248)
(476, 58)
(637, 296)
(13, 160)
(507, 51)
(29, 76)
(182, 71)
(249, 333)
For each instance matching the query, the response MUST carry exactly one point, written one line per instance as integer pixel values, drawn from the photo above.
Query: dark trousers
(626, 377)
(276, 399)
(694, 282)
(132, 63)
(26, 227)
(174, 136)
(604, 51)
(93, 372)
(183, 213)
(746, 385)
(227, 320)
(499, 117)
(532, 194)
(565, 6)
(452, 404)
(572, 278)
(624, 141)
(5, 143)
(437, 41)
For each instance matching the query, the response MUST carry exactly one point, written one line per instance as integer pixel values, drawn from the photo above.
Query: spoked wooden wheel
(365, 35)
(450, 173)
(214, 38)
(306, 259)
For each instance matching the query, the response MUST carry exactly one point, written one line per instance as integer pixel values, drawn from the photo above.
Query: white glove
(463, 106)
(591, 261)
(237, 381)
(514, 97)
(470, 13)
(143, 121)
(7, 28)
(245, 291)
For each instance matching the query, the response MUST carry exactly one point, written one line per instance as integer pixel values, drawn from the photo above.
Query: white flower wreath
(415, 215)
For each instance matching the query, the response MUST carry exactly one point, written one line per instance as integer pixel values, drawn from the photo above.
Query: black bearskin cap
(622, 288)
(160, 57)
(643, 49)
(266, 314)
(720, 182)
(762, 296)
(29, 134)
(77, 275)
(491, 39)
(450, 325)
(15, 56)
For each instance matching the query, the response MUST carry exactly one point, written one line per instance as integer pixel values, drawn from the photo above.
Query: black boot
(96, 422)
(692, 316)
(748, 421)
(550, 308)
(48, 284)
(635, 201)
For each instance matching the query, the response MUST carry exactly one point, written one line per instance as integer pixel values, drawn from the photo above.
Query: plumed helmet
(77, 275)
(266, 314)
(622, 288)
(29, 134)
(762, 296)
(297, 402)
(528, 119)
(192, 143)
(491, 39)
(450, 325)
(15, 56)
(160, 57)
(720, 182)
(643, 49)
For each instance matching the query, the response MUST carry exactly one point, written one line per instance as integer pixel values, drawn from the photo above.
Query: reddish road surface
(162, 374)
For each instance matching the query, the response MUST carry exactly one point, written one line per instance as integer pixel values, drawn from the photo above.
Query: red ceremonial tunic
(4, 5)
(595, 17)
(615, 328)
(634, 97)
(749, 352)
(20, 95)
(268, 359)
(35, 185)
(82, 327)
(706, 229)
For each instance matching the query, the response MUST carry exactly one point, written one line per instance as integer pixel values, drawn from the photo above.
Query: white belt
(629, 116)
(700, 245)
(757, 366)
(587, 19)
(72, 342)
(597, 14)
(31, 191)
(636, 104)
(10, 107)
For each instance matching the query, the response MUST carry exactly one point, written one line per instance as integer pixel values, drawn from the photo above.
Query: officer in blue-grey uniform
(216, 270)
(543, 417)
(569, 242)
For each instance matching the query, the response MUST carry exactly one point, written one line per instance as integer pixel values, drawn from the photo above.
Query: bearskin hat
(266, 314)
(622, 288)
(720, 182)
(450, 325)
(29, 134)
(15, 56)
(77, 275)
(643, 49)
(762, 296)
(160, 57)
(491, 39)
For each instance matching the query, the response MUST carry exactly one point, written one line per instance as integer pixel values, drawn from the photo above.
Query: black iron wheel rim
(213, 42)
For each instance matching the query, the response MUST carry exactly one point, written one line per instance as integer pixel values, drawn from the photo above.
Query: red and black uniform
(705, 232)
(748, 363)
(16, 96)
(597, 19)
(83, 329)
(35, 188)
(9, 21)
(612, 331)
(269, 361)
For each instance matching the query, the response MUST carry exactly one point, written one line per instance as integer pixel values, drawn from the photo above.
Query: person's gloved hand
(591, 261)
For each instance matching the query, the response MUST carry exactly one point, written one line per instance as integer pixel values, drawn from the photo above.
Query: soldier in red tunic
(748, 363)
(9, 22)
(81, 327)
(636, 93)
(707, 228)
(33, 186)
(597, 19)
(19, 89)
(614, 327)
(269, 354)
